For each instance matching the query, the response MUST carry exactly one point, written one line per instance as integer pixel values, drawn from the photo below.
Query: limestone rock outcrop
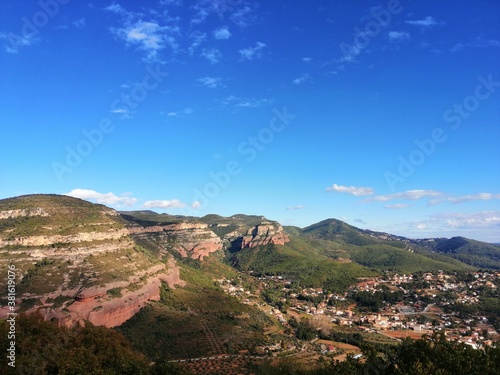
(194, 240)
(263, 234)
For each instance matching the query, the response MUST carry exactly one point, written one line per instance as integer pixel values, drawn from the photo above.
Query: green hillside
(375, 250)
(302, 263)
(475, 253)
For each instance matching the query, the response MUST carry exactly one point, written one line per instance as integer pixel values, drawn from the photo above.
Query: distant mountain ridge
(78, 260)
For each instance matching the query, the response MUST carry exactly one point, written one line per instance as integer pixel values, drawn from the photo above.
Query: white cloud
(351, 53)
(405, 195)
(198, 38)
(307, 59)
(201, 14)
(466, 198)
(212, 54)
(251, 53)
(427, 22)
(185, 111)
(396, 206)
(164, 204)
(103, 198)
(222, 33)
(117, 9)
(150, 36)
(477, 43)
(351, 190)
(398, 36)
(211, 82)
(302, 79)
(79, 23)
(196, 205)
(242, 16)
(467, 220)
(16, 41)
(239, 102)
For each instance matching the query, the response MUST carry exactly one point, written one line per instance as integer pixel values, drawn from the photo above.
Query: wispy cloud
(117, 9)
(358, 191)
(211, 82)
(298, 207)
(243, 16)
(240, 102)
(222, 33)
(251, 53)
(467, 198)
(468, 220)
(405, 195)
(151, 35)
(477, 43)
(164, 204)
(307, 59)
(212, 54)
(197, 39)
(350, 54)
(103, 198)
(79, 23)
(425, 23)
(201, 14)
(397, 206)
(17, 41)
(302, 79)
(185, 111)
(398, 36)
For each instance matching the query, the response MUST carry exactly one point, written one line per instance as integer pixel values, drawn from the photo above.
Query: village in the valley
(390, 307)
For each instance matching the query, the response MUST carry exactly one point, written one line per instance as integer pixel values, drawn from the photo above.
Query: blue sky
(384, 114)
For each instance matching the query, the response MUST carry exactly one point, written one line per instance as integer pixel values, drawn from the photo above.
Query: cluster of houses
(413, 314)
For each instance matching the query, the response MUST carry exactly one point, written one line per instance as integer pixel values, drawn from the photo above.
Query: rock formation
(194, 240)
(263, 234)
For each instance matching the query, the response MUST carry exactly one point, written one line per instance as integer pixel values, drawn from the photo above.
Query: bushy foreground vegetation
(43, 348)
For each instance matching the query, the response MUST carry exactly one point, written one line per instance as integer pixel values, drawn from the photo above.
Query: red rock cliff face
(263, 234)
(194, 240)
(103, 310)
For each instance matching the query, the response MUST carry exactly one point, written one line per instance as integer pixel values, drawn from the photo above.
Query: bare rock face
(11, 214)
(76, 261)
(263, 234)
(101, 310)
(194, 240)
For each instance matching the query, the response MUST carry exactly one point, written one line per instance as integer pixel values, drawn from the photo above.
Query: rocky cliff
(263, 234)
(194, 240)
(76, 261)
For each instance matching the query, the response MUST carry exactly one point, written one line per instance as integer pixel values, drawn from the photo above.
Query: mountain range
(78, 261)
(66, 250)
